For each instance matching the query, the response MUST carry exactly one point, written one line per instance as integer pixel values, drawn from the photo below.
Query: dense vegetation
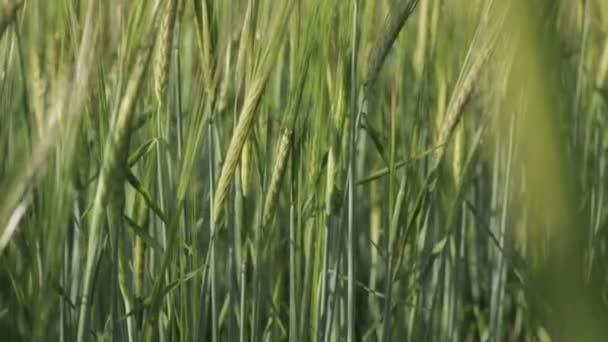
(419, 170)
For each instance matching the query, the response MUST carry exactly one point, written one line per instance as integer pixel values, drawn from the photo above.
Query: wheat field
(303, 170)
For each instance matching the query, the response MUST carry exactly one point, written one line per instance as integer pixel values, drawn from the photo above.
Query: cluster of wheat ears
(303, 170)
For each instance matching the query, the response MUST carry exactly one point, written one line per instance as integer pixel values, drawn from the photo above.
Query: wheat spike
(249, 109)
(163, 53)
(394, 23)
(235, 148)
(461, 95)
(277, 174)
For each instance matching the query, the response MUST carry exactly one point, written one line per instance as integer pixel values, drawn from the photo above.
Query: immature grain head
(163, 52)
(486, 38)
(249, 109)
(461, 95)
(285, 141)
(393, 24)
(277, 174)
(241, 132)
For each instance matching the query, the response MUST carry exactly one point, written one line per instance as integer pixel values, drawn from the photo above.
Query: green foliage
(303, 170)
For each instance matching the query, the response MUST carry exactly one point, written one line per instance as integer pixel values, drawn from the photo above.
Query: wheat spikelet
(486, 37)
(394, 23)
(277, 174)
(241, 132)
(163, 52)
(460, 96)
(244, 43)
(249, 110)
(285, 140)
